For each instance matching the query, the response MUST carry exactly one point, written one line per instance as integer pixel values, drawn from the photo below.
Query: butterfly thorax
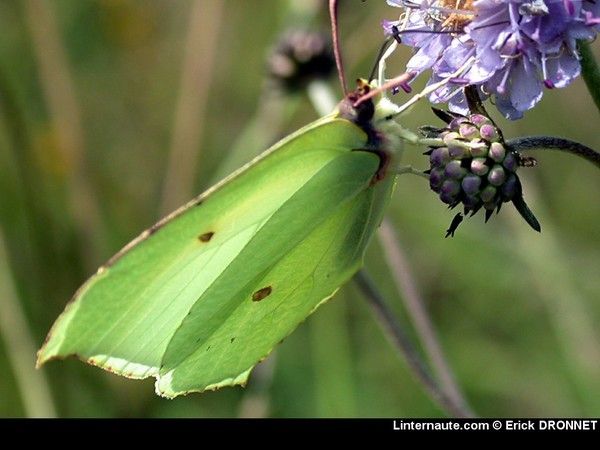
(384, 135)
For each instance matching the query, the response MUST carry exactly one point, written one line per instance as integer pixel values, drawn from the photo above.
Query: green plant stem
(60, 97)
(335, 384)
(20, 347)
(41, 246)
(400, 340)
(570, 313)
(590, 71)
(256, 402)
(554, 143)
(206, 17)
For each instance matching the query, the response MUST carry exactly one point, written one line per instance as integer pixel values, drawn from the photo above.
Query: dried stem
(406, 286)
(200, 51)
(400, 340)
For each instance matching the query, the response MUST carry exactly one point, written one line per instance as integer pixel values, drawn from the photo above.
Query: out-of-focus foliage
(86, 136)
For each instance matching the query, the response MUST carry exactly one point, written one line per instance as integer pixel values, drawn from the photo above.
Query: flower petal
(525, 85)
(563, 70)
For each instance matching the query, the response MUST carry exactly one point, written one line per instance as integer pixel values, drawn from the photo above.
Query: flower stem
(590, 71)
(400, 340)
(554, 143)
(407, 287)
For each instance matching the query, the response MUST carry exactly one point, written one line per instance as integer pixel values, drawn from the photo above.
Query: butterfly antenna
(333, 7)
(386, 44)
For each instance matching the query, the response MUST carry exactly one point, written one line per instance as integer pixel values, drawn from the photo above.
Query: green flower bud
(458, 149)
(488, 194)
(451, 136)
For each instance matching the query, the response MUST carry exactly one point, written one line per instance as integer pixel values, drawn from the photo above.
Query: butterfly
(202, 296)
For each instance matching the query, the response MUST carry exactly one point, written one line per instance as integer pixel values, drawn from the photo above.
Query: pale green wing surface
(203, 264)
(308, 248)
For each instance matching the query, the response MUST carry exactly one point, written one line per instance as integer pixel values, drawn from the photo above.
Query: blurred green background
(113, 112)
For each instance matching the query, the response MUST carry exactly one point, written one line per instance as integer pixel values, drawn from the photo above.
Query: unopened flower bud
(450, 187)
(478, 120)
(436, 178)
(471, 184)
(510, 162)
(488, 132)
(458, 149)
(455, 170)
(488, 194)
(478, 166)
(509, 188)
(474, 167)
(451, 136)
(497, 151)
(497, 176)
(439, 157)
(469, 131)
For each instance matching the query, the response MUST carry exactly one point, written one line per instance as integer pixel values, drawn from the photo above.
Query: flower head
(518, 47)
(470, 164)
(301, 57)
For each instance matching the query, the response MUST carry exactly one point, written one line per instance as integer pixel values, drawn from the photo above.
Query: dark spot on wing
(208, 348)
(261, 294)
(205, 237)
(232, 339)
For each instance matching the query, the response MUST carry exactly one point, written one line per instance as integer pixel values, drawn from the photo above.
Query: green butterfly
(200, 298)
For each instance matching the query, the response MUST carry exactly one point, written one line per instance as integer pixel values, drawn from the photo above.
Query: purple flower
(517, 47)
